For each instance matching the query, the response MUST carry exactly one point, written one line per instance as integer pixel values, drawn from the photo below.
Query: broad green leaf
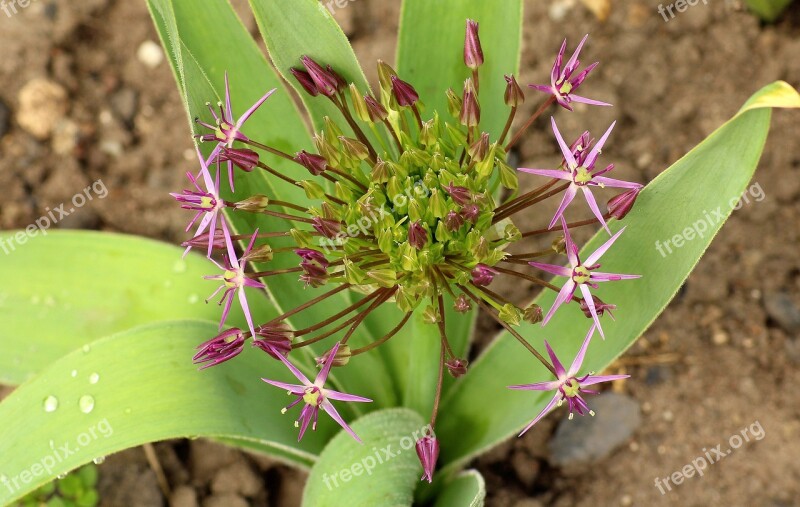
(294, 28)
(203, 44)
(138, 387)
(430, 55)
(466, 490)
(768, 10)
(70, 288)
(381, 472)
(698, 192)
(430, 52)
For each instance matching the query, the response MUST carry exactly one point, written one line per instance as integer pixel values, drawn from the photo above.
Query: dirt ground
(724, 355)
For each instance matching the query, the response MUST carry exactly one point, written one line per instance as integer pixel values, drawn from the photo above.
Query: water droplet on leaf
(94, 378)
(50, 404)
(86, 404)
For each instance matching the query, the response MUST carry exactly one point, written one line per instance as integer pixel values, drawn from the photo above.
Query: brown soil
(723, 356)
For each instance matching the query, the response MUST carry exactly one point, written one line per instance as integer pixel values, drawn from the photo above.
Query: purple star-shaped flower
(207, 203)
(562, 83)
(580, 172)
(315, 396)
(234, 279)
(226, 130)
(568, 386)
(581, 275)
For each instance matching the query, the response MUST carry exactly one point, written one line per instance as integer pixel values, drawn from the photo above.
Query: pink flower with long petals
(581, 174)
(315, 396)
(226, 130)
(234, 279)
(581, 275)
(568, 386)
(562, 83)
(207, 203)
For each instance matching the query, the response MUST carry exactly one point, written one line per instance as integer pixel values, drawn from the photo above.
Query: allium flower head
(568, 386)
(314, 396)
(562, 82)
(582, 275)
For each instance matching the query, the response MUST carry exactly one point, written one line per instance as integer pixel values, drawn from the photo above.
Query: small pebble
(150, 54)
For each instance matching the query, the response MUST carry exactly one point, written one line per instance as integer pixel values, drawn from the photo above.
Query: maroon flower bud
(453, 221)
(304, 78)
(428, 453)
(473, 53)
(316, 164)
(514, 95)
(342, 357)
(457, 367)
(417, 235)
(326, 83)
(460, 195)
(220, 348)
(599, 306)
(483, 275)
(341, 84)
(274, 339)
(311, 255)
(201, 241)
(328, 228)
(462, 304)
(471, 109)
(405, 94)
(376, 110)
(619, 206)
(242, 158)
(470, 212)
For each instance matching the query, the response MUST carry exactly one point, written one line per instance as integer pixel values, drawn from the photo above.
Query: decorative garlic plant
(350, 261)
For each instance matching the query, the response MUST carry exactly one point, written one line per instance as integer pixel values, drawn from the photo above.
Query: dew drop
(86, 404)
(50, 404)
(194, 298)
(74, 374)
(86, 349)
(94, 378)
(99, 461)
(61, 477)
(179, 266)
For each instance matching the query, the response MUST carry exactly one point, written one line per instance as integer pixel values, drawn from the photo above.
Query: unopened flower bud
(274, 339)
(510, 314)
(430, 315)
(201, 241)
(304, 78)
(315, 164)
(219, 349)
(599, 306)
(354, 148)
(417, 235)
(341, 83)
(533, 314)
(326, 83)
(404, 93)
(482, 275)
(313, 189)
(261, 253)
(385, 73)
(480, 148)
(254, 204)
(328, 228)
(559, 245)
(376, 110)
(359, 104)
(454, 103)
(453, 221)
(471, 109)
(341, 358)
(242, 158)
(619, 206)
(471, 212)
(428, 453)
(514, 96)
(473, 53)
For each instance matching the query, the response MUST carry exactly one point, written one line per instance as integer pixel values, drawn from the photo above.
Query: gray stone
(124, 103)
(584, 440)
(781, 308)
